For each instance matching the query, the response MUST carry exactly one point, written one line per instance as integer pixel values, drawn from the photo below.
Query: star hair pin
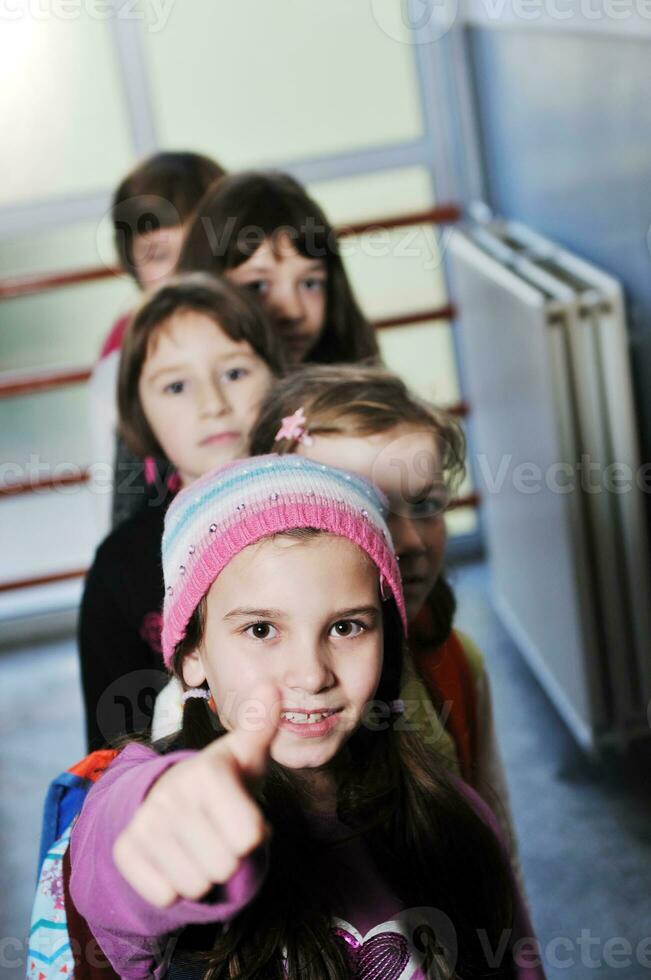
(294, 427)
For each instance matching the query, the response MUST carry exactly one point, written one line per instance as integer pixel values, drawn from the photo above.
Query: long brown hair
(231, 308)
(361, 400)
(423, 834)
(240, 211)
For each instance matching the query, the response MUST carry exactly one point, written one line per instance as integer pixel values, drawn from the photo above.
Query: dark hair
(360, 400)
(231, 308)
(161, 192)
(424, 836)
(242, 210)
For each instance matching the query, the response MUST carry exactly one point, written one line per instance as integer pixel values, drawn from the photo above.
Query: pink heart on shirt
(382, 956)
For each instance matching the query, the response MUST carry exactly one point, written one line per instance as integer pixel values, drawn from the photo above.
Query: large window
(330, 92)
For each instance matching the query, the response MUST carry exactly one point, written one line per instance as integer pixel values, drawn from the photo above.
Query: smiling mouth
(310, 724)
(308, 717)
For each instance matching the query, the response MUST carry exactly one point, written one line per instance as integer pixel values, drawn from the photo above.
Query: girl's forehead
(284, 563)
(306, 541)
(187, 329)
(381, 457)
(281, 246)
(278, 249)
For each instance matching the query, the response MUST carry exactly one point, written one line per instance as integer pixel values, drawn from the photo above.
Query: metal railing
(19, 383)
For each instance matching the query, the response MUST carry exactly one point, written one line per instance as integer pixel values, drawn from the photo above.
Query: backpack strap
(66, 795)
(93, 765)
(63, 802)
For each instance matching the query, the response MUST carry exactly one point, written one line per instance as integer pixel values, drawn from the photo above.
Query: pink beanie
(222, 513)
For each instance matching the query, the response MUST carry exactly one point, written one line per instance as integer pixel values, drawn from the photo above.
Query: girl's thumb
(257, 723)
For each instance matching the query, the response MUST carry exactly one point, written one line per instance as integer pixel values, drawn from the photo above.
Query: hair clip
(150, 470)
(397, 707)
(174, 482)
(294, 427)
(196, 692)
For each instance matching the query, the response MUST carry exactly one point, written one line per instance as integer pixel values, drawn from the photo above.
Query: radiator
(545, 365)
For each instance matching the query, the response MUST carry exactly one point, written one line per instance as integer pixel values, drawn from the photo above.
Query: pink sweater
(138, 938)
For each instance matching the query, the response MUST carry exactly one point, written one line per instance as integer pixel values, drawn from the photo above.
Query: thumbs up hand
(200, 820)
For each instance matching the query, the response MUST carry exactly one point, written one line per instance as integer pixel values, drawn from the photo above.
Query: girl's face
(200, 392)
(404, 462)
(305, 615)
(155, 254)
(292, 289)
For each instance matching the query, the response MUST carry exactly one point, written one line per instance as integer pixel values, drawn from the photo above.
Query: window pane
(423, 355)
(251, 82)
(66, 327)
(376, 195)
(63, 326)
(49, 427)
(47, 532)
(64, 124)
(396, 271)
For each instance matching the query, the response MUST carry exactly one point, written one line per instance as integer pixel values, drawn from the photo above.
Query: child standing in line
(263, 231)
(364, 419)
(295, 820)
(196, 361)
(150, 210)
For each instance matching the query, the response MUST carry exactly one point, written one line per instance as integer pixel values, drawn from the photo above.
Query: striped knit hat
(222, 513)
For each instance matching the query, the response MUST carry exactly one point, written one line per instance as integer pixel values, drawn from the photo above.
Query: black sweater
(119, 629)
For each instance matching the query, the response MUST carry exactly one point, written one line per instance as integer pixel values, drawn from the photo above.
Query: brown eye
(347, 627)
(235, 374)
(313, 284)
(261, 631)
(175, 387)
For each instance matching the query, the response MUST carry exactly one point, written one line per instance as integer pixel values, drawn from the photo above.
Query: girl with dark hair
(150, 211)
(296, 824)
(262, 230)
(197, 359)
(151, 208)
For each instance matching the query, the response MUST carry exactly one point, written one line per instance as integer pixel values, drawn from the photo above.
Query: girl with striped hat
(295, 827)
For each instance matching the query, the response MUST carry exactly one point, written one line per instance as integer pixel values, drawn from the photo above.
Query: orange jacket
(450, 682)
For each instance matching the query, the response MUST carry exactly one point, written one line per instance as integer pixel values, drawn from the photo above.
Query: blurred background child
(262, 230)
(150, 211)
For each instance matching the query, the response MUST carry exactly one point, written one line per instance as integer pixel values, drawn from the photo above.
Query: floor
(584, 828)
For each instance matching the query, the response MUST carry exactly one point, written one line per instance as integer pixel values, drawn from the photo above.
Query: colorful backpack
(51, 952)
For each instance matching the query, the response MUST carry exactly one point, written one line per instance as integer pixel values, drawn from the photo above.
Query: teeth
(302, 718)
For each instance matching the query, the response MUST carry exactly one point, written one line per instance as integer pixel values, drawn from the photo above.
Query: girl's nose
(286, 303)
(309, 671)
(213, 401)
(406, 539)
